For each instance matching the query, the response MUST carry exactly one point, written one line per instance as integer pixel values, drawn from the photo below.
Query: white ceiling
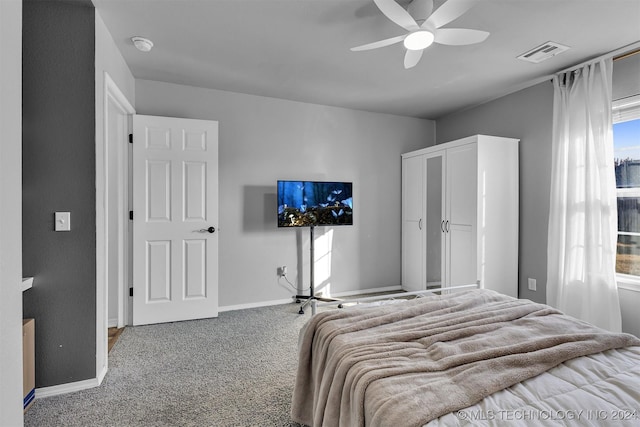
(299, 49)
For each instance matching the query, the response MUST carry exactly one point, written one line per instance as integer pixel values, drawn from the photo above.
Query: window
(626, 146)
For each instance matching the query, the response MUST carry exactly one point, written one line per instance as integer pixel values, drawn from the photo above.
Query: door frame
(113, 95)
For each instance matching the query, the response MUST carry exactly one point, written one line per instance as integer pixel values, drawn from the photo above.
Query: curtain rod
(620, 53)
(626, 55)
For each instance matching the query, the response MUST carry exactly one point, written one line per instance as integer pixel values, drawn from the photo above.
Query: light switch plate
(63, 221)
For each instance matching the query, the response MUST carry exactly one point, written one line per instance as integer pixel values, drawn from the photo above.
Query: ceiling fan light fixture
(142, 44)
(419, 40)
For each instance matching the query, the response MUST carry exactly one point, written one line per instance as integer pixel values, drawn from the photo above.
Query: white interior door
(175, 204)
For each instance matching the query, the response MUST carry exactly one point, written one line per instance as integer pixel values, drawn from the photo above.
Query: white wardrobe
(460, 215)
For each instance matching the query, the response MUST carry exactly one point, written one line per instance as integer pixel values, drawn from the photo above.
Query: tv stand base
(308, 299)
(312, 292)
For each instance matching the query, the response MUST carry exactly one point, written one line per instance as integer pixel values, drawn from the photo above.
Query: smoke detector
(543, 52)
(142, 44)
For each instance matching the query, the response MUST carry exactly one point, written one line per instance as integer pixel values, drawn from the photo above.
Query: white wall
(10, 212)
(266, 139)
(110, 60)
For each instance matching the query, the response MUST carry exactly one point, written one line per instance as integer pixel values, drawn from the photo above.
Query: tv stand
(312, 292)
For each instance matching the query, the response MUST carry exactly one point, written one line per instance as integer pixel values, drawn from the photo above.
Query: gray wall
(527, 115)
(626, 77)
(59, 175)
(265, 139)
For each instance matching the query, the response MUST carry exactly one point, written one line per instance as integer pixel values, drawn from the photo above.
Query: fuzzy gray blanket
(406, 364)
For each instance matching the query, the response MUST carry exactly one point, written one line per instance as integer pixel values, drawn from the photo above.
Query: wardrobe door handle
(442, 226)
(420, 224)
(447, 226)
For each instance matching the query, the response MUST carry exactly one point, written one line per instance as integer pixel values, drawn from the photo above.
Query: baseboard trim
(102, 374)
(289, 300)
(112, 323)
(56, 390)
(255, 305)
(368, 291)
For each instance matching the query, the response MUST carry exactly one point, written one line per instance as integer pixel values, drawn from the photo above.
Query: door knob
(208, 230)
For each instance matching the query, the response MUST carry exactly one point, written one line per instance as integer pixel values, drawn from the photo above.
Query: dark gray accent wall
(527, 115)
(59, 175)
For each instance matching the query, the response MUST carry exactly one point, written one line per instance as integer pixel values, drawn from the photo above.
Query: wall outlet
(282, 271)
(532, 284)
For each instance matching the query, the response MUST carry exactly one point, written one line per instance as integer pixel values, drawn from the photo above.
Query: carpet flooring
(234, 370)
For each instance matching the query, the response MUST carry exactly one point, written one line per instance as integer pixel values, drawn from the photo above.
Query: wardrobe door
(412, 223)
(460, 219)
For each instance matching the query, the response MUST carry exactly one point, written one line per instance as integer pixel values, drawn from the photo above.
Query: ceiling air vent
(543, 52)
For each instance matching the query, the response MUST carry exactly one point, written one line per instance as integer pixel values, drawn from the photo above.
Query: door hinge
(130, 138)
(130, 292)
(130, 215)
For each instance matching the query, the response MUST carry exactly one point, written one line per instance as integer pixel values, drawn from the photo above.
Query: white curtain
(581, 253)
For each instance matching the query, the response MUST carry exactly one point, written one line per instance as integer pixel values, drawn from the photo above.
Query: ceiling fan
(424, 27)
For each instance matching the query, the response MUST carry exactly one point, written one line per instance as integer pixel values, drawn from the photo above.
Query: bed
(464, 358)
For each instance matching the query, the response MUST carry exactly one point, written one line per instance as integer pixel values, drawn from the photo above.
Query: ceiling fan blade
(381, 43)
(420, 10)
(459, 36)
(397, 14)
(450, 10)
(411, 58)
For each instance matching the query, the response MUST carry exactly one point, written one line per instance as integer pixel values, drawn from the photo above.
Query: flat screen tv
(314, 203)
